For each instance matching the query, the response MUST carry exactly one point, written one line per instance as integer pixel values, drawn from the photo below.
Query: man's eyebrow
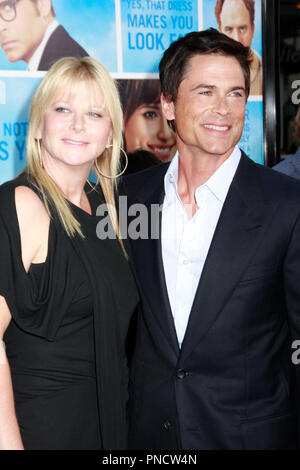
(212, 87)
(238, 88)
(203, 85)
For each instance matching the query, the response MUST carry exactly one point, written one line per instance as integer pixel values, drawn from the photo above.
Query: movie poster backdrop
(129, 38)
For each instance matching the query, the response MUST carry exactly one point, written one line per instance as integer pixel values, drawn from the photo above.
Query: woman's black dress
(67, 338)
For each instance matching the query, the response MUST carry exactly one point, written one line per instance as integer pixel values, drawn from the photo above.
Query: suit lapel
(242, 222)
(147, 259)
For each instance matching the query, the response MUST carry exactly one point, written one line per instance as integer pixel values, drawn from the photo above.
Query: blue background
(252, 139)
(13, 114)
(137, 59)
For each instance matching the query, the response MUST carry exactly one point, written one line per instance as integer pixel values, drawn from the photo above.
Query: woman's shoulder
(27, 201)
(7, 193)
(9, 186)
(20, 192)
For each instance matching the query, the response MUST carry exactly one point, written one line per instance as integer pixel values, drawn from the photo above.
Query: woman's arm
(10, 437)
(34, 226)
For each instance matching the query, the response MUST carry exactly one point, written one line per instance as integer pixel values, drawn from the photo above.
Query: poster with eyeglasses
(129, 38)
(34, 34)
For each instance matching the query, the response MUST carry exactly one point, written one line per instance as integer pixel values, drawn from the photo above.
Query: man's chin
(13, 56)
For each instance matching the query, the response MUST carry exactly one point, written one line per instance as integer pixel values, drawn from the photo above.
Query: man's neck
(195, 169)
(34, 60)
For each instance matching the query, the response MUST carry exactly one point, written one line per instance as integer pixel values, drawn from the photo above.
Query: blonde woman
(66, 295)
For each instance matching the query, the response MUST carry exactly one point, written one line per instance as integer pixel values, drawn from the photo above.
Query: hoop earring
(119, 174)
(39, 152)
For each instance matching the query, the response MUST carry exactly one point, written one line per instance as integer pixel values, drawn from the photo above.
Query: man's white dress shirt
(37, 55)
(185, 242)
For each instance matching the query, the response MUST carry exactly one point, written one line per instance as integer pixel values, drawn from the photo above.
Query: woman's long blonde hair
(65, 73)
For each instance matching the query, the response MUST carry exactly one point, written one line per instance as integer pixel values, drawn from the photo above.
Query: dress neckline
(90, 194)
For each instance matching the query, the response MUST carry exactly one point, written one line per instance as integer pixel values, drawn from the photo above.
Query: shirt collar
(221, 179)
(218, 183)
(37, 55)
(170, 179)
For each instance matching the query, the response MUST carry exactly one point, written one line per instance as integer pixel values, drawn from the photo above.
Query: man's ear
(44, 7)
(168, 108)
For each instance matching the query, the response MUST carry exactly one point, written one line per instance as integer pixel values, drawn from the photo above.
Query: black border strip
(271, 74)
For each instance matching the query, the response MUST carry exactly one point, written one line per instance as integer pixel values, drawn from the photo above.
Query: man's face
(210, 108)
(235, 22)
(20, 38)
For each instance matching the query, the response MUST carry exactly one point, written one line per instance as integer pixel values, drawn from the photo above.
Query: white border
(200, 15)
(21, 74)
(119, 36)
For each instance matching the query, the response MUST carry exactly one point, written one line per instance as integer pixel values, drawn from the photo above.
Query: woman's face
(75, 128)
(147, 129)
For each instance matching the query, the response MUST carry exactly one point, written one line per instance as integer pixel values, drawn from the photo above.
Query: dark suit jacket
(59, 45)
(233, 384)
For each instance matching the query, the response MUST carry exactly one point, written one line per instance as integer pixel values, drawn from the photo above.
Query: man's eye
(205, 92)
(6, 6)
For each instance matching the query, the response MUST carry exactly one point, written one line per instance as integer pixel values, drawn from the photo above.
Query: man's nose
(236, 35)
(221, 105)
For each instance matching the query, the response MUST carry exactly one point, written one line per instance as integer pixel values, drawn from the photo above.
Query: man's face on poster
(235, 22)
(20, 37)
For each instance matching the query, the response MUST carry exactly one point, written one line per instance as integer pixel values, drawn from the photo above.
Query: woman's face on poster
(147, 129)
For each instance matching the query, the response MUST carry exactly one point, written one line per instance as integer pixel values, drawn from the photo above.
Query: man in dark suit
(30, 32)
(219, 273)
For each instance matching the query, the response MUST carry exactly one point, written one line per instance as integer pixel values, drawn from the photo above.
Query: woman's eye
(61, 109)
(150, 114)
(94, 114)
